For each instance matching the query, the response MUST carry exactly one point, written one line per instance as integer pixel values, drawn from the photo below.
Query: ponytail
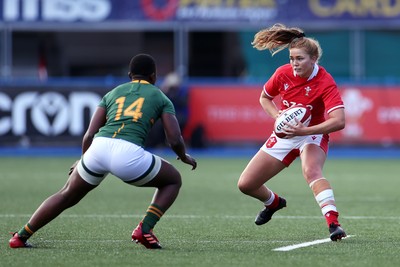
(279, 37)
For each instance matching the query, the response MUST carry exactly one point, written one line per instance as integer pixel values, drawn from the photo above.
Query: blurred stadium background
(58, 57)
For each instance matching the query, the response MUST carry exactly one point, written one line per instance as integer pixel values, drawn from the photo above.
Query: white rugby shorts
(127, 161)
(287, 150)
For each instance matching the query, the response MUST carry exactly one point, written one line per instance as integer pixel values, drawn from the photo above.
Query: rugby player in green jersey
(114, 143)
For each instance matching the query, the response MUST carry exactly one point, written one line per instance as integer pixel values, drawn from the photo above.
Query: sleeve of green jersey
(168, 106)
(103, 101)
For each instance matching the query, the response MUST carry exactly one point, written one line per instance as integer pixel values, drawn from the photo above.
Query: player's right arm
(98, 120)
(268, 105)
(175, 139)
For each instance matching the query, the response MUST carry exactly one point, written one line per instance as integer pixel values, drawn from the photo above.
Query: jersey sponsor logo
(289, 104)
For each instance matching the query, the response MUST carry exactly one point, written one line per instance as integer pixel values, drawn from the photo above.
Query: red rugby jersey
(319, 93)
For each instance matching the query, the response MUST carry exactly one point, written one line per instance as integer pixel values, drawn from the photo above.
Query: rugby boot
(17, 242)
(265, 215)
(149, 240)
(336, 232)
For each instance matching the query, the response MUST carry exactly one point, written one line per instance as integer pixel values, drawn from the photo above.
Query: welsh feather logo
(308, 89)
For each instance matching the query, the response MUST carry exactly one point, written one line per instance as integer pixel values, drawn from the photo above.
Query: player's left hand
(188, 160)
(294, 130)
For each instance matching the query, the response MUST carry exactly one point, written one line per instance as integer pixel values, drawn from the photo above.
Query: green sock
(25, 232)
(152, 216)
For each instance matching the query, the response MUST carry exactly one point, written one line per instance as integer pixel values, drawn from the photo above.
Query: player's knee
(311, 173)
(244, 186)
(178, 180)
(173, 176)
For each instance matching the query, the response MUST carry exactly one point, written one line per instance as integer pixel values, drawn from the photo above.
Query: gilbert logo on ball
(291, 116)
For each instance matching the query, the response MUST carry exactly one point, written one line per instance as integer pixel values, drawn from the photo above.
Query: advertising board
(248, 12)
(233, 114)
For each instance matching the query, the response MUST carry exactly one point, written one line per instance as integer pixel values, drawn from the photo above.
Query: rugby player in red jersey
(302, 82)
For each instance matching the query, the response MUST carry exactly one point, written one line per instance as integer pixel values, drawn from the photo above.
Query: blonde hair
(279, 37)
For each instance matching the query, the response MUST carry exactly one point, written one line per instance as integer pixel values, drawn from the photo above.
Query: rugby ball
(289, 116)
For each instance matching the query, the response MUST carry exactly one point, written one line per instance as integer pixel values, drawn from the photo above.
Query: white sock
(271, 198)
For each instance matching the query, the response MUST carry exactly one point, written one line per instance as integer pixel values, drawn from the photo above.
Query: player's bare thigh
(167, 174)
(259, 170)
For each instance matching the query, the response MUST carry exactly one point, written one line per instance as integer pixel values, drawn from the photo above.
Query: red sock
(275, 203)
(332, 217)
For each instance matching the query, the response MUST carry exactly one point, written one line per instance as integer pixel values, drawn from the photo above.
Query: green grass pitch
(211, 223)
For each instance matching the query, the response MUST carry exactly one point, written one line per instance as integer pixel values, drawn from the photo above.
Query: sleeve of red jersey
(332, 99)
(271, 87)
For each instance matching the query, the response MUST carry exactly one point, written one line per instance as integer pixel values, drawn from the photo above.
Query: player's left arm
(335, 122)
(335, 110)
(175, 139)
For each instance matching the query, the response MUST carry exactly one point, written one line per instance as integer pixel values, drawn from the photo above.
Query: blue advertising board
(206, 12)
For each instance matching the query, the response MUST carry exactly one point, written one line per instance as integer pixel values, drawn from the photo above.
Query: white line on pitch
(306, 244)
(192, 216)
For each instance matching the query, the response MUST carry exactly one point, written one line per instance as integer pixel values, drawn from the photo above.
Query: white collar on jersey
(313, 74)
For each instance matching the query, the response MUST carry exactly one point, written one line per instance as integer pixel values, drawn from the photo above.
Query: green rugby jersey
(132, 109)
